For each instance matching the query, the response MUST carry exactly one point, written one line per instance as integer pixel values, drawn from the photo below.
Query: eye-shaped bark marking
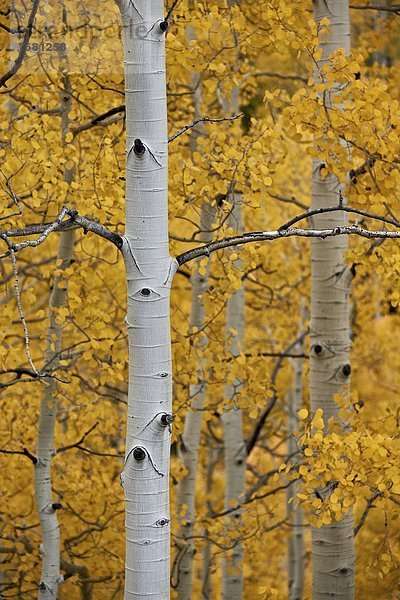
(161, 522)
(145, 294)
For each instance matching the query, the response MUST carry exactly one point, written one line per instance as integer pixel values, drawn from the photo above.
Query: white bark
(234, 446)
(149, 271)
(189, 449)
(332, 545)
(190, 442)
(206, 589)
(295, 513)
(45, 505)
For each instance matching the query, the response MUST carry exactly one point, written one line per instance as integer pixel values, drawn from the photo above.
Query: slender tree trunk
(232, 419)
(234, 446)
(332, 545)
(295, 513)
(45, 505)
(189, 449)
(149, 271)
(206, 589)
(190, 443)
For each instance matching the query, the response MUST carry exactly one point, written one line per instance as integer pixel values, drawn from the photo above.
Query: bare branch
(21, 313)
(287, 231)
(262, 236)
(381, 7)
(252, 440)
(76, 444)
(18, 61)
(203, 120)
(58, 224)
(24, 452)
(340, 208)
(279, 76)
(370, 504)
(103, 119)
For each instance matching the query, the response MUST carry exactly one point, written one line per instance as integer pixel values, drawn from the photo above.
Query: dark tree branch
(341, 208)
(370, 504)
(80, 441)
(381, 7)
(100, 119)
(22, 51)
(263, 236)
(202, 120)
(252, 440)
(24, 452)
(287, 231)
(75, 221)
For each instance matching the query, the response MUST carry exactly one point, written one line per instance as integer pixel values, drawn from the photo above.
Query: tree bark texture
(149, 272)
(45, 504)
(332, 545)
(295, 513)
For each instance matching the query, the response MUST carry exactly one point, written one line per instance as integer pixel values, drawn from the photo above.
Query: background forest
(254, 466)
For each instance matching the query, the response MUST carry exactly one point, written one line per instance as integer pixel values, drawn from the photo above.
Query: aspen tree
(232, 417)
(295, 512)
(190, 441)
(149, 271)
(46, 507)
(332, 545)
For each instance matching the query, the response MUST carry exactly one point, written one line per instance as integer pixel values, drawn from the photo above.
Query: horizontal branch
(263, 236)
(100, 119)
(287, 231)
(202, 120)
(339, 208)
(74, 222)
(380, 7)
(23, 452)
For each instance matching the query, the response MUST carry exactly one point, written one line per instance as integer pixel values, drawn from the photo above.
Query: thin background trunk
(234, 446)
(190, 442)
(295, 512)
(333, 552)
(45, 505)
(232, 419)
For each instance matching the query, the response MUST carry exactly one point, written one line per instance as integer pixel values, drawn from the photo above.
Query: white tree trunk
(190, 442)
(295, 513)
(189, 448)
(234, 446)
(149, 271)
(333, 545)
(45, 505)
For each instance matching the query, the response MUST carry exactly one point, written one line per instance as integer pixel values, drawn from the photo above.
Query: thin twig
(22, 51)
(202, 120)
(21, 313)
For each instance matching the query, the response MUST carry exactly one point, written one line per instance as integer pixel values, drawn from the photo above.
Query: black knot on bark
(139, 454)
(162, 522)
(145, 292)
(318, 348)
(56, 506)
(166, 419)
(346, 370)
(138, 147)
(164, 26)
